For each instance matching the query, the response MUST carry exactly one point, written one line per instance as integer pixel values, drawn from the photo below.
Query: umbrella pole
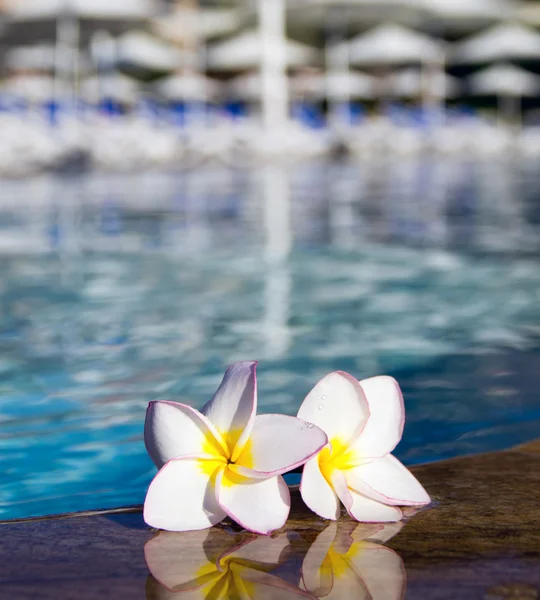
(509, 109)
(67, 55)
(337, 61)
(274, 88)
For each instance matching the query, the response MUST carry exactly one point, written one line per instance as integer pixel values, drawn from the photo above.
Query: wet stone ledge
(480, 539)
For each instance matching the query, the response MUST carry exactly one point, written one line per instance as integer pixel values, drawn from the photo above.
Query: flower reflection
(345, 562)
(215, 565)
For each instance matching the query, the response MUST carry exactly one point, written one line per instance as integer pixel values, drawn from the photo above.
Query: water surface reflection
(117, 290)
(345, 560)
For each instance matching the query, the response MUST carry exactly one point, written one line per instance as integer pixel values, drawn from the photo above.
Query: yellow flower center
(337, 455)
(218, 459)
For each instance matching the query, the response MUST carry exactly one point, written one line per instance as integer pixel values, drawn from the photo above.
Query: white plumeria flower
(364, 423)
(224, 460)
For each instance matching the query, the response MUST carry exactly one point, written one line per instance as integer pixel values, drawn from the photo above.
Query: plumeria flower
(344, 562)
(214, 564)
(224, 460)
(364, 423)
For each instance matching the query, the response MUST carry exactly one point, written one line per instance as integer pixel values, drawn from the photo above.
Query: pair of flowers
(228, 461)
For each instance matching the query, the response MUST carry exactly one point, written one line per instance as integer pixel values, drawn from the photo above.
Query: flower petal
(386, 532)
(263, 586)
(360, 507)
(264, 550)
(233, 407)
(259, 505)
(317, 493)
(381, 570)
(337, 404)
(172, 430)
(317, 575)
(384, 428)
(182, 496)
(278, 444)
(387, 480)
(178, 560)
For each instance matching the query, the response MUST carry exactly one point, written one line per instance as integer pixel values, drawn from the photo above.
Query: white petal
(178, 560)
(317, 575)
(381, 570)
(386, 532)
(337, 404)
(259, 505)
(384, 428)
(264, 550)
(157, 591)
(172, 430)
(182, 496)
(262, 586)
(347, 583)
(233, 407)
(388, 481)
(370, 511)
(278, 444)
(361, 508)
(317, 493)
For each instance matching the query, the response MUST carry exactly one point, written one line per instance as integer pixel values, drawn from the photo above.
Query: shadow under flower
(346, 560)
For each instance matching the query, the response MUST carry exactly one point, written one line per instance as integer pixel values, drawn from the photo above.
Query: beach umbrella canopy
(140, 50)
(36, 19)
(188, 87)
(502, 42)
(319, 13)
(31, 87)
(504, 80)
(39, 57)
(244, 51)
(410, 83)
(463, 15)
(391, 45)
(205, 23)
(114, 86)
(345, 84)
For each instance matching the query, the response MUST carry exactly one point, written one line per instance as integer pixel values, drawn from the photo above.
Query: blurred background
(316, 184)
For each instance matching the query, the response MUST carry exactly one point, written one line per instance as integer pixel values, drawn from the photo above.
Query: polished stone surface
(480, 540)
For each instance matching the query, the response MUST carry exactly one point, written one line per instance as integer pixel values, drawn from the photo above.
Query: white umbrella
(344, 84)
(111, 85)
(466, 15)
(39, 57)
(503, 42)
(38, 10)
(318, 13)
(410, 83)
(33, 88)
(205, 23)
(61, 20)
(509, 83)
(391, 45)
(189, 86)
(504, 80)
(244, 51)
(141, 50)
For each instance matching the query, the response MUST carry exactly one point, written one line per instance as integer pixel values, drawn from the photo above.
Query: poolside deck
(480, 539)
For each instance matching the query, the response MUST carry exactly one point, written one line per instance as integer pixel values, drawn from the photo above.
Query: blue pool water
(117, 290)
